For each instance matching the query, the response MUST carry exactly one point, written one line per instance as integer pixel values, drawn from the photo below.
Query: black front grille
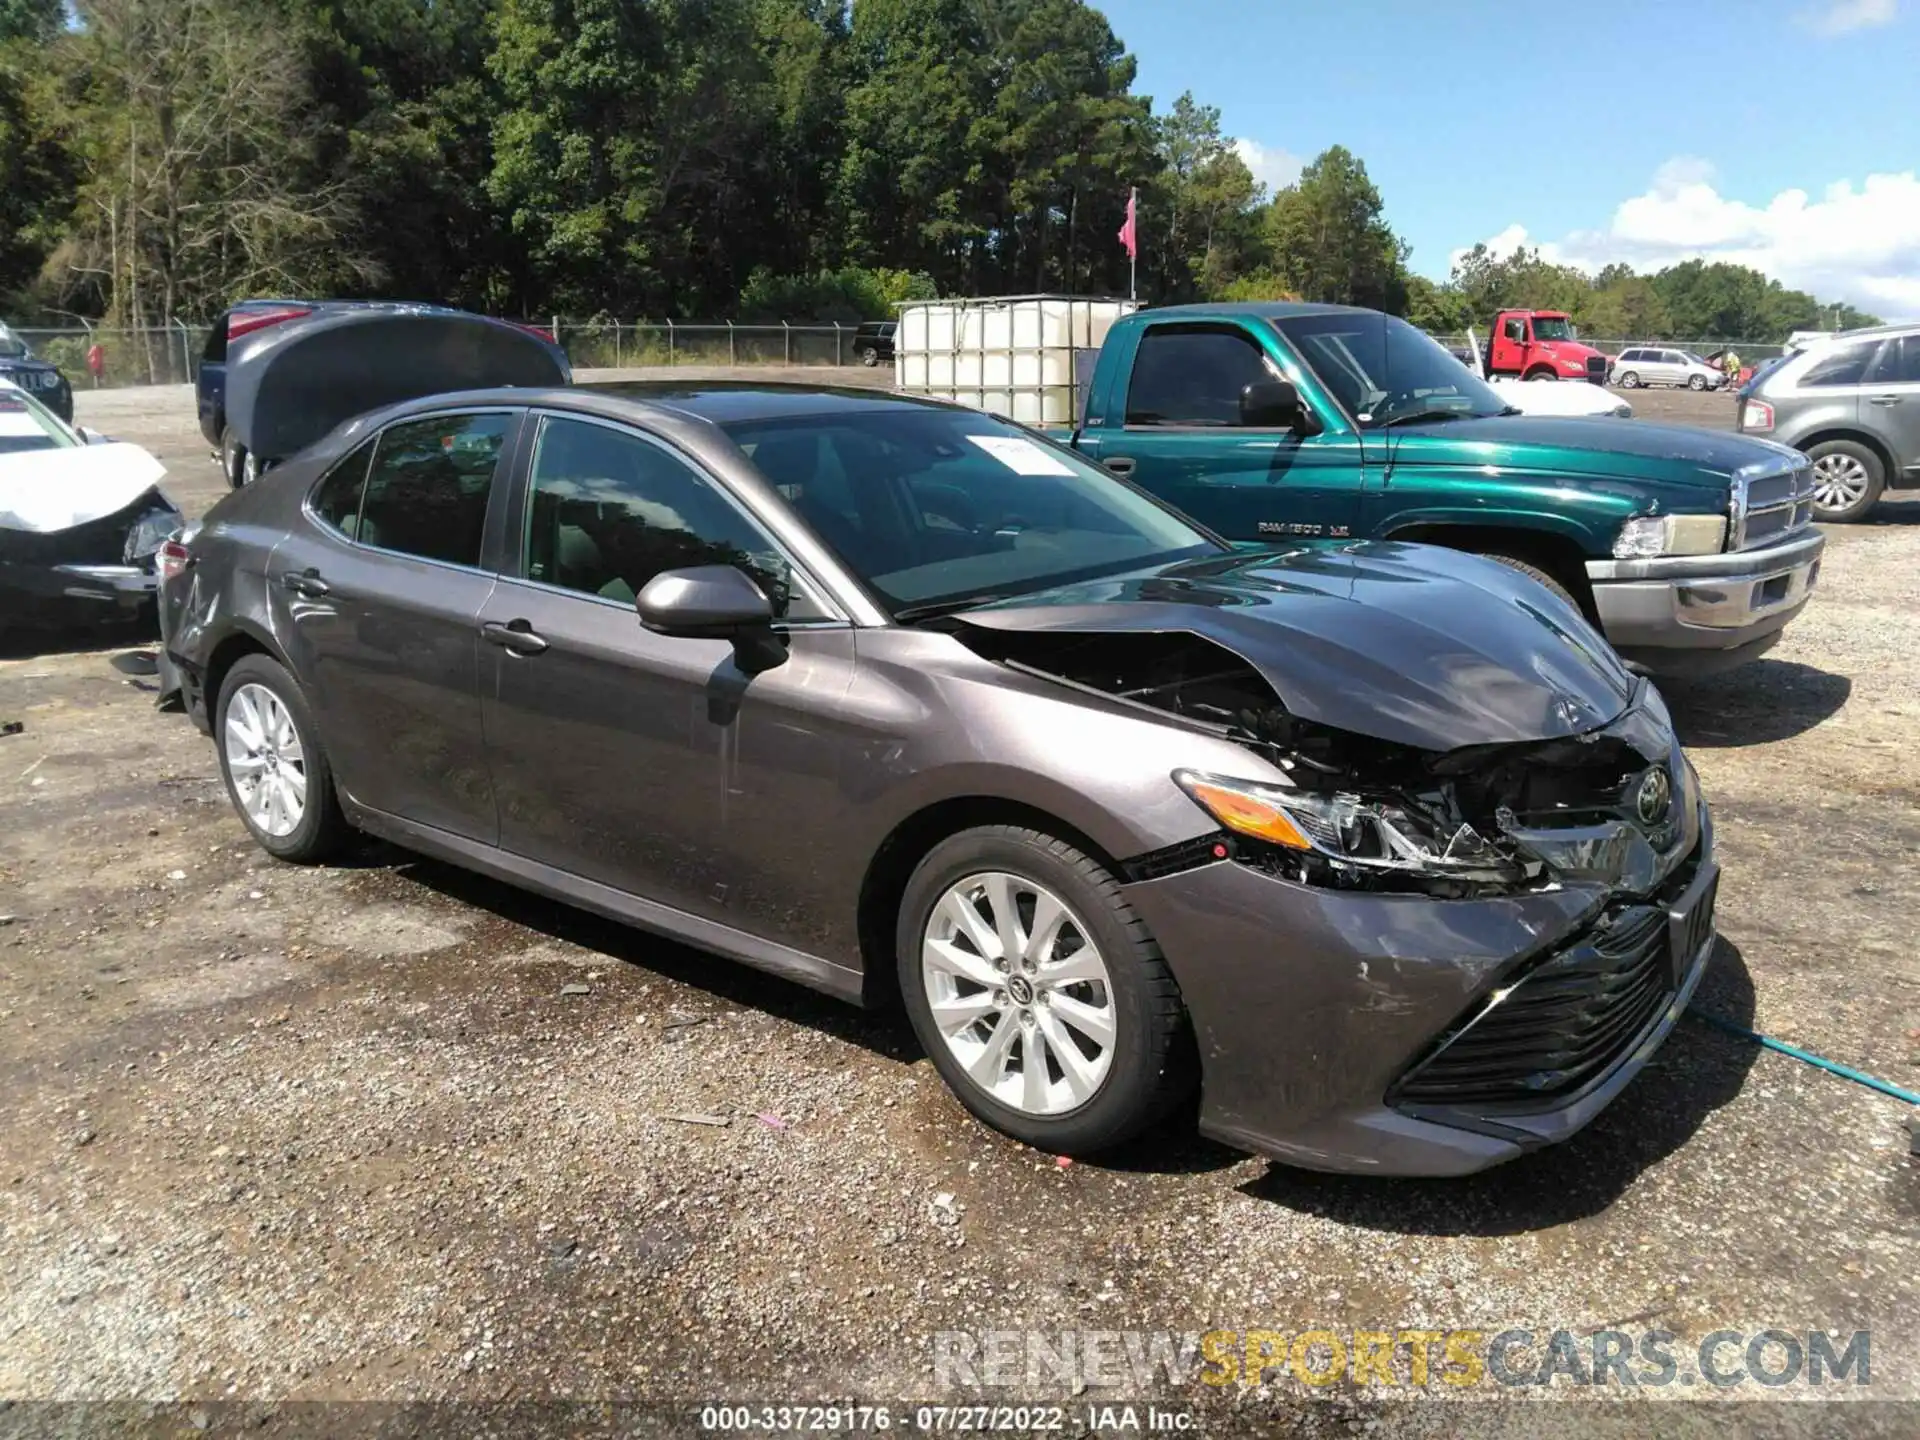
(1562, 1024)
(1597, 369)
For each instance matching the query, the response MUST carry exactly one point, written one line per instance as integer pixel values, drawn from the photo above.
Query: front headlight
(1650, 535)
(148, 532)
(1349, 831)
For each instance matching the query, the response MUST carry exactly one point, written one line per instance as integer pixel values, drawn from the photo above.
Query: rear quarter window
(1846, 365)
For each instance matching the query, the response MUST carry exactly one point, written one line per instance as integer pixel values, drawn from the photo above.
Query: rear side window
(427, 488)
(336, 501)
(1844, 366)
(1192, 376)
(1899, 362)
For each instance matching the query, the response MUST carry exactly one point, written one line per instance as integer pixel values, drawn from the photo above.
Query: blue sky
(1641, 130)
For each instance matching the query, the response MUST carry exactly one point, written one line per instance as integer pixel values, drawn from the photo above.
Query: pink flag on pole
(1130, 232)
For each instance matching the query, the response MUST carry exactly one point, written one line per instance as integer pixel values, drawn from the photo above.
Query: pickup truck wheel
(1535, 573)
(1847, 480)
(233, 458)
(1629, 380)
(1039, 995)
(869, 356)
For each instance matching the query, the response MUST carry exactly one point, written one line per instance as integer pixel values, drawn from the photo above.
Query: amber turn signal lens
(1245, 814)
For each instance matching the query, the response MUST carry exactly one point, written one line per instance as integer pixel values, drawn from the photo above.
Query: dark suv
(873, 341)
(44, 381)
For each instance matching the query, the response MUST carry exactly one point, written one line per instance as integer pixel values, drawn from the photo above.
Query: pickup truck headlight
(1351, 831)
(1650, 535)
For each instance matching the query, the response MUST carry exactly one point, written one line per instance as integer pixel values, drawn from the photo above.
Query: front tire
(1535, 573)
(869, 356)
(1037, 992)
(1848, 479)
(1696, 383)
(1543, 374)
(1629, 380)
(275, 770)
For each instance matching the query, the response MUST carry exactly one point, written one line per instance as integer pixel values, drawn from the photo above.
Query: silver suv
(1852, 404)
(1657, 365)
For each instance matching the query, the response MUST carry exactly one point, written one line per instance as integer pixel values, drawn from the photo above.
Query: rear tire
(1535, 573)
(1848, 479)
(249, 695)
(1629, 380)
(1147, 1066)
(233, 458)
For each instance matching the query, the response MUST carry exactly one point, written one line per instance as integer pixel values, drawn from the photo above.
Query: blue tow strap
(1858, 1077)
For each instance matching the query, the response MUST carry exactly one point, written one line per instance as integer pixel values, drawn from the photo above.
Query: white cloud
(1276, 168)
(1858, 243)
(1843, 17)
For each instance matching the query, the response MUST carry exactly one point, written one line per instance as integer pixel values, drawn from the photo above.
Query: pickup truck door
(1178, 434)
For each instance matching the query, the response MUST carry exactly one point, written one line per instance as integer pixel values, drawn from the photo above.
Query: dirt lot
(281, 1133)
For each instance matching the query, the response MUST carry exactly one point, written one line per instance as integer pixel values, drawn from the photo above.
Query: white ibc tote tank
(1022, 356)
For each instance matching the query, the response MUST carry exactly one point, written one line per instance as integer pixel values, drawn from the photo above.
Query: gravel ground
(386, 1131)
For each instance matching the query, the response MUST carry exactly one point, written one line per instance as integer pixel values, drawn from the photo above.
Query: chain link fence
(170, 355)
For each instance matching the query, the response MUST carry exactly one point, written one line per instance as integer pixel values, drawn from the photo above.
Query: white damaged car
(81, 519)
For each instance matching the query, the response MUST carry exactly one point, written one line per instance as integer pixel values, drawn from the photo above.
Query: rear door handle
(515, 636)
(1885, 399)
(1119, 464)
(306, 582)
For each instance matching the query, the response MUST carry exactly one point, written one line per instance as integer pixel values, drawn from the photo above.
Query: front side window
(936, 509)
(1189, 376)
(1384, 371)
(610, 510)
(1553, 327)
(1843, 365)
(428, 486)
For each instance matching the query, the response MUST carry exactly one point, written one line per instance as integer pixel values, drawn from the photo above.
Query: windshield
(1554, 327)
(1383, 370)
(941, 509)
(25, 424)
(1694, 359)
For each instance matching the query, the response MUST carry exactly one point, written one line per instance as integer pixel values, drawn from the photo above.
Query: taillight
(171, 559)
(245, 322)
(1756, 415)
(541, 330)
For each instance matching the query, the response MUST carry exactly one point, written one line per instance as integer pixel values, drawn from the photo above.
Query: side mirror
(1275, 405)
(93, 437)
(713, 602)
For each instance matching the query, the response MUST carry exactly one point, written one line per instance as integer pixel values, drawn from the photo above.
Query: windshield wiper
(1422, 417)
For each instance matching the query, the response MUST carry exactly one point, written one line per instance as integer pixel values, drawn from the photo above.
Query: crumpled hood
(47, 490)
(1411, 644)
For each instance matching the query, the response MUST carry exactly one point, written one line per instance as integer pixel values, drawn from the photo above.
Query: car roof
(1868, 332)
(720, 402)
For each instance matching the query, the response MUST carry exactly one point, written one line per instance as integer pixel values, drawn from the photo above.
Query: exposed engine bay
(1383, 816)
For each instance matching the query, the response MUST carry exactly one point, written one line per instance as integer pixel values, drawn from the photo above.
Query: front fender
(1588, 527)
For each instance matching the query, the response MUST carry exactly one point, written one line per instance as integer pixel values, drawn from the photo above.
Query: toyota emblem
(1654, 797)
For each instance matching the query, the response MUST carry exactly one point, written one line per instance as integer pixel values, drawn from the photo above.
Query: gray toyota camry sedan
(1376, 846)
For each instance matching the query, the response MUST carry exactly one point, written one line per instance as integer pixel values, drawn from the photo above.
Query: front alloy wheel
(1020, 994)
(1038, 994)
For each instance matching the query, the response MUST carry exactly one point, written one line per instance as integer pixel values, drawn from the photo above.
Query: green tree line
(687, 158)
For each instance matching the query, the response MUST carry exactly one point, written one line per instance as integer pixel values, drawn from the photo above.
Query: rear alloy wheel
(277, 775)
(1535, 573)
(1038, 994)
(1696, 382)
(233, 458)
(1629, 380)
(1847, 480)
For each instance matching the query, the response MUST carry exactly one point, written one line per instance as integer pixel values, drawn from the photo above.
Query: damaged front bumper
(75, 592)
(1694, 614)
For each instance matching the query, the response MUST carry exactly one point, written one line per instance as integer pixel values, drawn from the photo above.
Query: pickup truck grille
(1778, 504)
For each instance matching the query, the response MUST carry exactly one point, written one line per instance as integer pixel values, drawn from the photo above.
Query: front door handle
(1885, 399)
(1119, 464)
(515, 636)
(306, 582)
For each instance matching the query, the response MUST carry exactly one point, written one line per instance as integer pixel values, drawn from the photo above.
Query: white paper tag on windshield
(1022, 456)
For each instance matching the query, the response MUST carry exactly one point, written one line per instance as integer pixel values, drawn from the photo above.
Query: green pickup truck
(1279, 422)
